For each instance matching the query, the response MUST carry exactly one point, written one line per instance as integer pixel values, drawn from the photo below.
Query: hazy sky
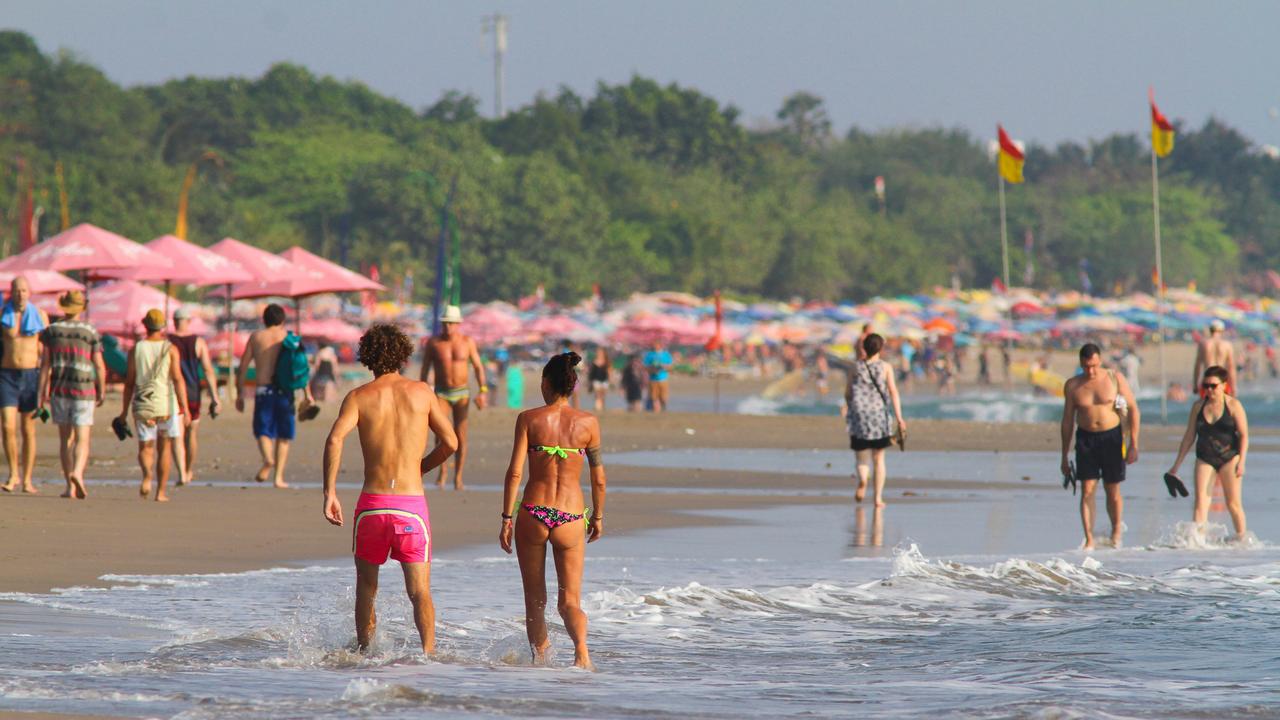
(1048, 71)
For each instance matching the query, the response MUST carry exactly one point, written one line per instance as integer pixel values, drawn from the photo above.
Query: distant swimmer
(445, 360)
(556, 439)
(392, 415)
(1221, 446)
(1216, 350)
(1097, 402)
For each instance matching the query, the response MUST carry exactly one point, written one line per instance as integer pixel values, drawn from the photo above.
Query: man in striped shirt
(72, 380)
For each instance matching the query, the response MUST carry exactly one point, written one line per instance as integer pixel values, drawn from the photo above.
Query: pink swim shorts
(395, 525)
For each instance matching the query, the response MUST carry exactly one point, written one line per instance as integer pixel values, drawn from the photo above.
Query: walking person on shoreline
(1216, 350)
(1221, 447)
(274, 424)
(551, 509)
(445, 360)
(598, 376)
(393, 415)
(1096, 403)
(869, 396)
(20, 326)
(634, 381)
(72, 385)
(156, 392)
(194, 356)
(658, 361)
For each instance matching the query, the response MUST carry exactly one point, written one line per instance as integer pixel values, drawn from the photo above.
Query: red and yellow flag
(1161, 129)
(1010, 159)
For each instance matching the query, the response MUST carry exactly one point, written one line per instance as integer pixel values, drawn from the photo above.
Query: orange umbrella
(940, 325)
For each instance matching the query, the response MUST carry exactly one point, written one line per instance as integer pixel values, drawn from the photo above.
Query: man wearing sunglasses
(1096, 404)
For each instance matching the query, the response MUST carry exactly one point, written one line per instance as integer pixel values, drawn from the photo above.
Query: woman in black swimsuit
(1220, 429)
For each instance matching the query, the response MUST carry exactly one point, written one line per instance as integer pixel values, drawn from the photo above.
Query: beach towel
(32, 323)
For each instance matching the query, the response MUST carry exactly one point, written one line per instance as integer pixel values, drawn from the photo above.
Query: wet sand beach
(226, 522)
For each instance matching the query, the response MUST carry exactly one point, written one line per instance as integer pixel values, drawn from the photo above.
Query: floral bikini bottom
(552, 517)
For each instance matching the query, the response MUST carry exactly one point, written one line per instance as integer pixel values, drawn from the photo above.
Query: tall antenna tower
(497, 24)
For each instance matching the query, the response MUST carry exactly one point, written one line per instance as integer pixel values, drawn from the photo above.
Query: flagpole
(1004, 253)
(1155, 205)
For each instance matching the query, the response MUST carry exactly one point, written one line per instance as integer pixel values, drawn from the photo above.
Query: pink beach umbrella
(340, 279)
(332, 330)
(488, 324)
(191, 265)
(118, 307)
(273, 276)
(43, 282)
(89, 248)
(563, 327)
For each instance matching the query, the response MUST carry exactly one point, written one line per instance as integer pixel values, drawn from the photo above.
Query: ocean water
(979, 607)
(1261, 401)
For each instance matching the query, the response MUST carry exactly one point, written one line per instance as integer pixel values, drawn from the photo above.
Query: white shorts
(172, 428)
(71, 411)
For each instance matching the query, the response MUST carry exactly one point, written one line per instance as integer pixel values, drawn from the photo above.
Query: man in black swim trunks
(1096, 404)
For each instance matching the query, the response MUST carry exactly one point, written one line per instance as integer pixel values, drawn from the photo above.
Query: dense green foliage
(642, 186)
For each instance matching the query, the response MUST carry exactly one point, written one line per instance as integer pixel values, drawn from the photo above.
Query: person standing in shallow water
(869, 395)
(1221, 446)
(556, 439)
(392, 415)
(1096, 403)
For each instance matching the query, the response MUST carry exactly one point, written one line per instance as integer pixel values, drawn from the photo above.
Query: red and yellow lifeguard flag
(1011, 158)
(1161, 129)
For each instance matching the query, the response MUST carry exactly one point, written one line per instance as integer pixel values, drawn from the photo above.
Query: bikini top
(557, 451)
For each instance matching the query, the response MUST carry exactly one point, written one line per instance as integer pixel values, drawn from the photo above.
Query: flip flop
(1070, 479)
(308, 413)
(1174, 485)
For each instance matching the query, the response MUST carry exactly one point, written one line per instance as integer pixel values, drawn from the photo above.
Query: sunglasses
(1211, 386)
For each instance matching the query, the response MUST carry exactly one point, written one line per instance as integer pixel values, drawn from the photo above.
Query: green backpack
(292, 369)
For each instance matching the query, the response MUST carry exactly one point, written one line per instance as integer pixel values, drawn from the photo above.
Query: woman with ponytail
(556, 439)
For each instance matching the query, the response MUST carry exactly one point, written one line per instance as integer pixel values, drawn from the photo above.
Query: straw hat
(72, 301)
(451, 314)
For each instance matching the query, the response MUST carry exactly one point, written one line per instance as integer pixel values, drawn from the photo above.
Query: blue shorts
(273, 414)
(18, 388)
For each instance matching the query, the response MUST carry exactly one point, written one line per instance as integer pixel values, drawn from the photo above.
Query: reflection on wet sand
(860, 536)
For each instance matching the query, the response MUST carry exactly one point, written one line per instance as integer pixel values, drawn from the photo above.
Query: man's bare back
(1215, 350)
(394, 415)
(263, 350)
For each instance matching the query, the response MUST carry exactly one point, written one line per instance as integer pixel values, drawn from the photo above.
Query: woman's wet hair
(384, 349)
(872, 344)
(1217, 371)
(560, 374)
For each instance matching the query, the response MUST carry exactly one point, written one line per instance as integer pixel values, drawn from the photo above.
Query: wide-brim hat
(451, 314)
(73, 301)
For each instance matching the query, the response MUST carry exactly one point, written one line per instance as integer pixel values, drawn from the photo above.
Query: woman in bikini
(556, 439)
(1220, 429)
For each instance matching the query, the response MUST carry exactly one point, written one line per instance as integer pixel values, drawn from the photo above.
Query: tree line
(642, 186)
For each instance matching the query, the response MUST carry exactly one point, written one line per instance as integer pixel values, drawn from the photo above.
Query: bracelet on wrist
(506, 516)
